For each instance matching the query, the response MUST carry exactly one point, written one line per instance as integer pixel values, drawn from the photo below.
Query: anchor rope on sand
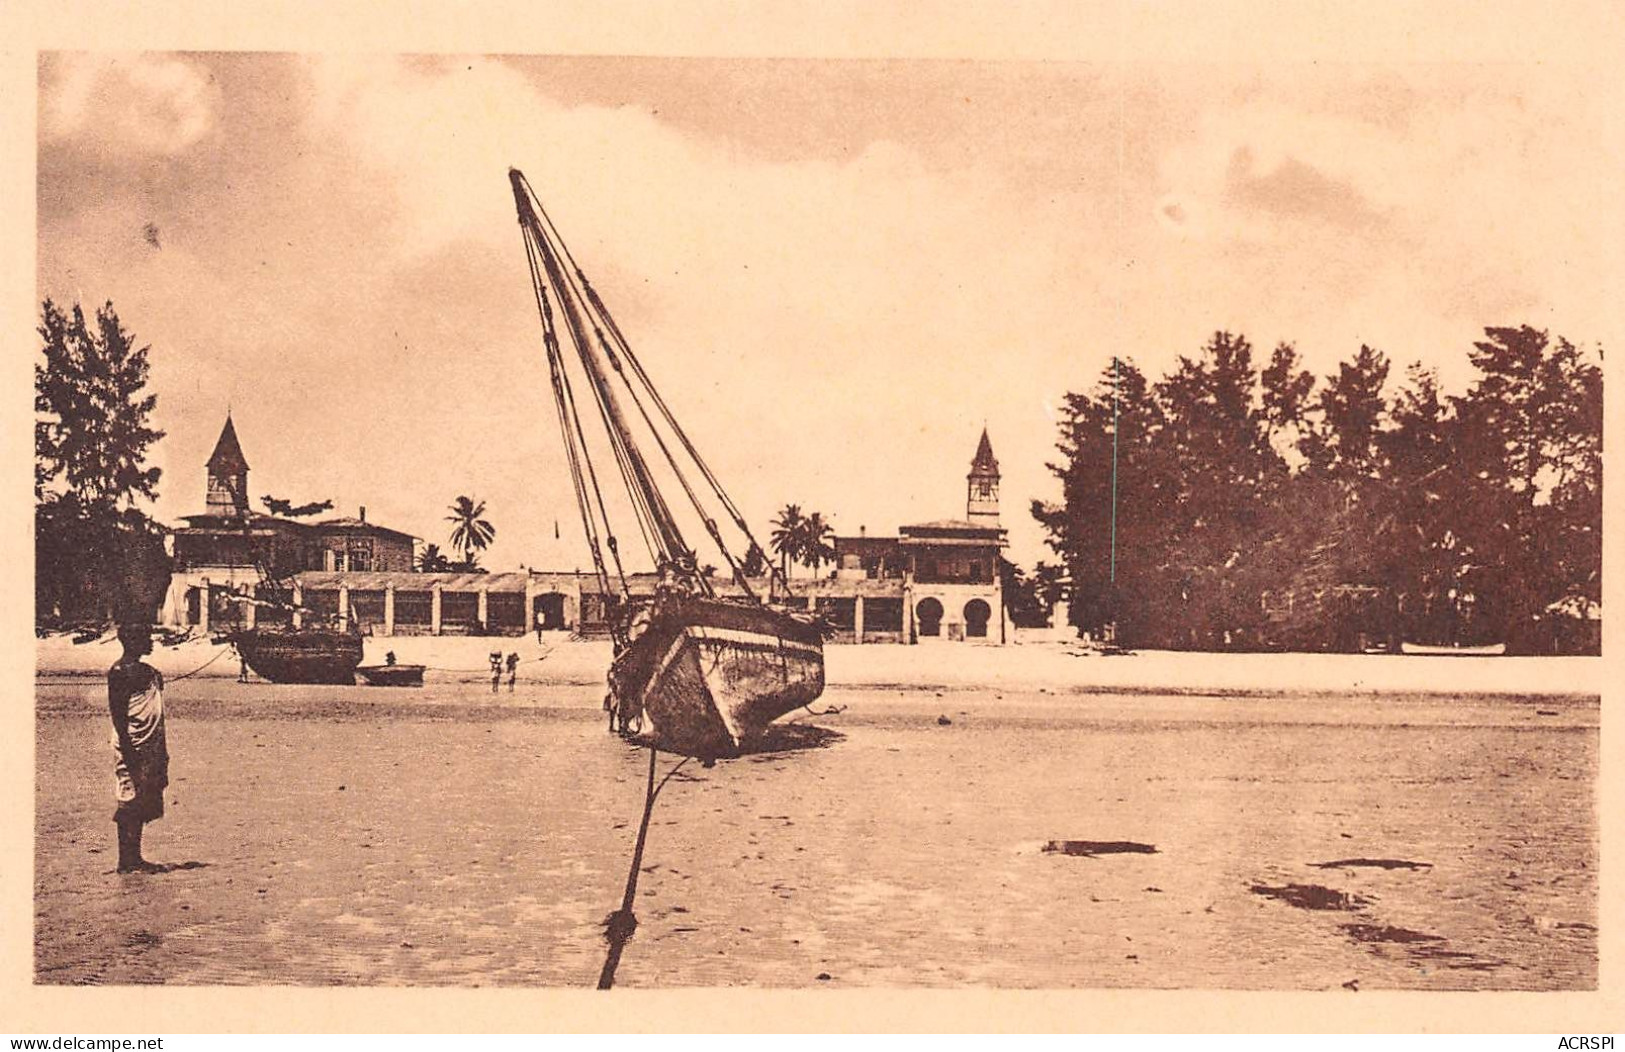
(483, 671)
(620, 924)
(200, 668)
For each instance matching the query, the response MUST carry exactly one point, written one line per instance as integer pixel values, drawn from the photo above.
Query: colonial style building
(230, 550)
(933, 581)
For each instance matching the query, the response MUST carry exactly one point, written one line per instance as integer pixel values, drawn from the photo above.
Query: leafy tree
(1217, 434)
(1529, 437)
(817, 542)
(92, 428)
(1264, 509)
(1022, 595)
(1112, 584)
(1287, 389)
(788, 537)
(433, 560)
(471, 533)
(1426, 494)
(97, 556)
(1352, 413)
(755, 562)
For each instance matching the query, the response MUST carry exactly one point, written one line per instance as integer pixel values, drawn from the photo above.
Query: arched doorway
(977, 613)
(549, 613)
(929, 615)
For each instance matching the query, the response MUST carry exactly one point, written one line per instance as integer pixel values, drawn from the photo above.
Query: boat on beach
(695, 672)
(708, 675)
(1445, 650)
(391, 675)
(298, 655)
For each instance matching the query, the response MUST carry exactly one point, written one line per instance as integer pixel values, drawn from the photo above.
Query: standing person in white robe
(135, 701)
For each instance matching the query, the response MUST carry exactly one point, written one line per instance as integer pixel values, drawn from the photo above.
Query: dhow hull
(299, 655)
(707, 676)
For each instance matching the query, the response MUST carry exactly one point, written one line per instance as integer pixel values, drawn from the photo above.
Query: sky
(838, 272)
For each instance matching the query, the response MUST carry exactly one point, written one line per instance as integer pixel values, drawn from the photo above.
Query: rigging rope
(575, 438)
(633, 464)
(596, 308)
(552, 265)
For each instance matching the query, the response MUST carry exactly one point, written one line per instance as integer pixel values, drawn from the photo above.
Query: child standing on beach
(513, 671)
(135, 701)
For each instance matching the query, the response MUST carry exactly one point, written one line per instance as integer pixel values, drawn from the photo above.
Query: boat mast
(554, 273)
(667, 537)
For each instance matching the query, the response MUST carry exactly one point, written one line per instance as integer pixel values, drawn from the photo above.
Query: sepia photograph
(581, 521)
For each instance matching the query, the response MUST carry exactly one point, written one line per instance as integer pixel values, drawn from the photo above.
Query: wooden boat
(391, 675)
(707, 676)
(695, 672)
(1481, 650)
(298, 655)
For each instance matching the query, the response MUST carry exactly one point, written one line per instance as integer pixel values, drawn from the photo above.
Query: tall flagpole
(1114, 471)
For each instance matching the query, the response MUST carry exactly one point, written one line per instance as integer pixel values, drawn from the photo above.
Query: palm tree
(787, 537)
(433, 560)
(817, 537)
(471, 533)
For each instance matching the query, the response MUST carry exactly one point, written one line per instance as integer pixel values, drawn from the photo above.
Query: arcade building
(933, 582)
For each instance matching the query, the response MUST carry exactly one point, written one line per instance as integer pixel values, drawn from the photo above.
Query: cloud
(727, 260)
(151, 104)
(1295, 190)
(1260, 171)
(819, 287)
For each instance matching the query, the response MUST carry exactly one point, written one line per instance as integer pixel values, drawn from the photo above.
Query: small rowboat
(1484, 650)
(391, 675)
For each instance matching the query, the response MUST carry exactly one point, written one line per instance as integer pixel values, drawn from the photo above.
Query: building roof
(410, 581)
(215, 523)
(950, 526)
(984, 463)
(865, 543)
(350, 523)
(954, 532)
(228, 452)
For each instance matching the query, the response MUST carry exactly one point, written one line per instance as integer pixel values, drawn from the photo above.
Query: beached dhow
(695, 672)
(284, 653)
(299, 655)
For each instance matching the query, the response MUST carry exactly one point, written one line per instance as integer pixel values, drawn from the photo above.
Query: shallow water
(350, 836)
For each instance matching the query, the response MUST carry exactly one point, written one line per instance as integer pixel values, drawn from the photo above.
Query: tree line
(1232, 506)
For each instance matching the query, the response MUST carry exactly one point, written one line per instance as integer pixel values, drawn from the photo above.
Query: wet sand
(448, 837)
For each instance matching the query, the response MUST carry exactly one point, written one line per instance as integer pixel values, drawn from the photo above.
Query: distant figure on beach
(541, 622)
(242, 667)
(495, 658)
(389, 658)
(513, 670)
(135, 701)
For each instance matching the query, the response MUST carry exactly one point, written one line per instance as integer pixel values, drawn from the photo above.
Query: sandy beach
(1033, 664)
(1155, 833)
